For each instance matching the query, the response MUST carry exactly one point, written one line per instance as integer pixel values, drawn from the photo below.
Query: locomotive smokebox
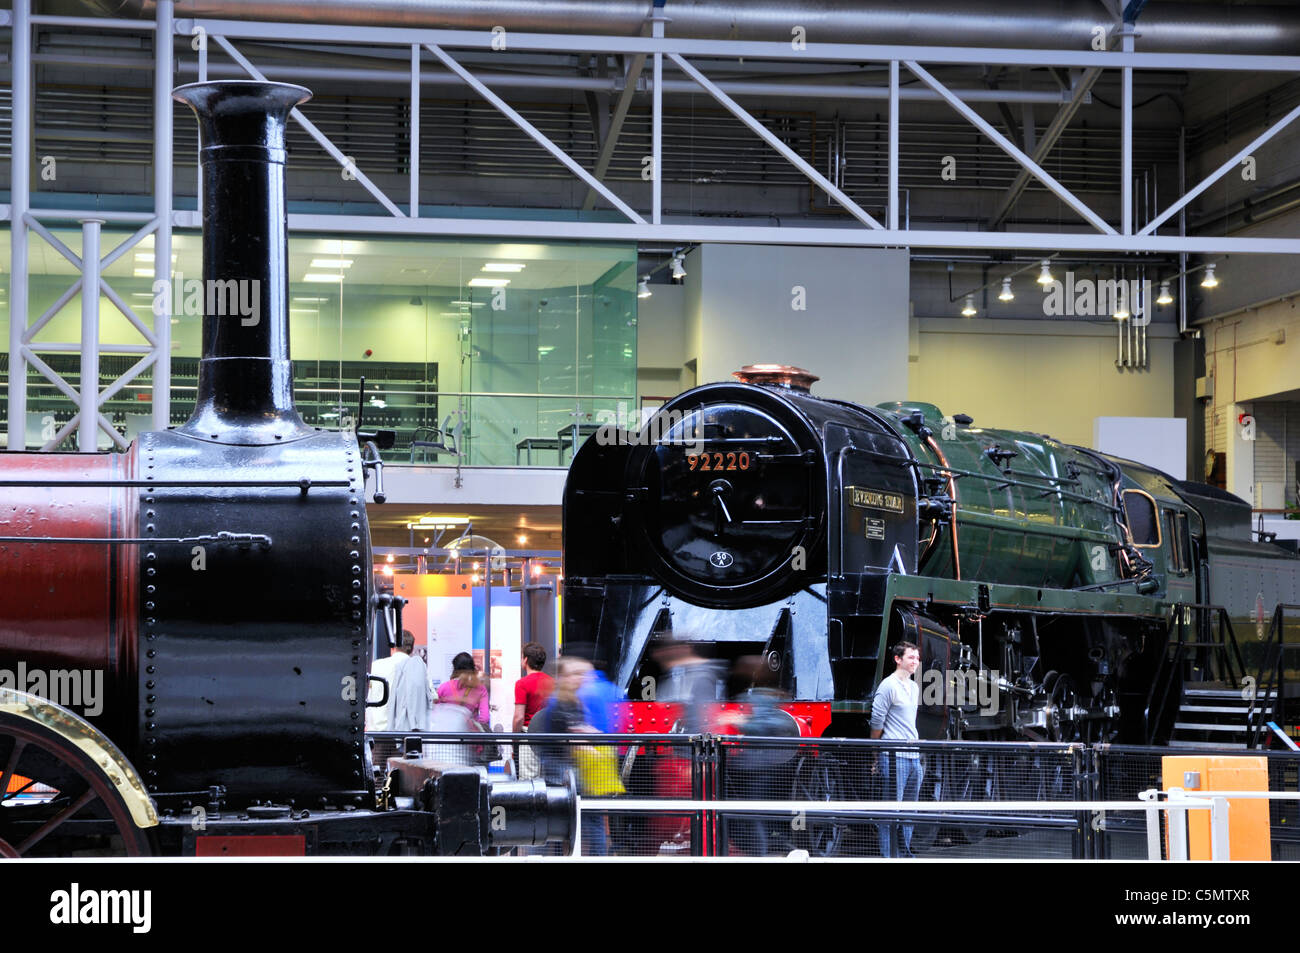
(245, 388)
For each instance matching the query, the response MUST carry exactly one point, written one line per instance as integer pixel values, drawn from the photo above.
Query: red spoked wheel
(57, 798)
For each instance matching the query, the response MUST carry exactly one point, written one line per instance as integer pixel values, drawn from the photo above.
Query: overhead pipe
(1019, 24)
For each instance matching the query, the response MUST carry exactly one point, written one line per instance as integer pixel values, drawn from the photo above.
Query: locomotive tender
(219, 576)
(759, 519)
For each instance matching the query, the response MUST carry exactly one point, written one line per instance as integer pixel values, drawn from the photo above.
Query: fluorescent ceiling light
(144, 256)
(313, 300)
(504, 266)
(144, 272)
(321, 277)
(469, 304)
(488, 282)
(331, 263)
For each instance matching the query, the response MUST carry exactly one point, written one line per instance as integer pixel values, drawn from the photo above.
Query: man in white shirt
(893, 718)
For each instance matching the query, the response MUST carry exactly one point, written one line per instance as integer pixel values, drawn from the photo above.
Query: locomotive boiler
(218, 576)
(754, 518)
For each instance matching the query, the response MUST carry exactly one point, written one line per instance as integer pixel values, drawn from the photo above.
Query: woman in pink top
(466, 689)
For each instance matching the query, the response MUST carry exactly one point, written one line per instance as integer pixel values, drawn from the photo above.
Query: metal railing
(733, 795)
(1215, 657)
(1270, 680)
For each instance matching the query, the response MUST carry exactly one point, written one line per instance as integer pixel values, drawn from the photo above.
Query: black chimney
(245, 392)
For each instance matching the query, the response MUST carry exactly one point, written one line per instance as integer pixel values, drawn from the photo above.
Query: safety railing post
(1220, 846)
(1176, 823)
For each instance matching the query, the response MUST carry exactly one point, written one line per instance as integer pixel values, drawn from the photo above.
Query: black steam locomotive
(1042, 581)
(217, 580)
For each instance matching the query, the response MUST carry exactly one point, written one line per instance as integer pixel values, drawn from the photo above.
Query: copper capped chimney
(777, 375)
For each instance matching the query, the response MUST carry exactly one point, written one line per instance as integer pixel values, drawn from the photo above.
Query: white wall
(1052, 377)
(1159, 442)
(840, 313)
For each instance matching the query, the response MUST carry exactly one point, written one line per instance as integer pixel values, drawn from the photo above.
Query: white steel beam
(161, 339)
(1221, 171)
(88, 431)
(413, 162)
(893, 144)
(533, 132)
(1010, 148)
(1126, 135)
(320, 137)
(748, 49)
(848, 236)
(657, 131)
(765, 134)
(20, 201)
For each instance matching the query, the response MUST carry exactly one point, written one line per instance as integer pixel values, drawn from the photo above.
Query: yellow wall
(1052, 377)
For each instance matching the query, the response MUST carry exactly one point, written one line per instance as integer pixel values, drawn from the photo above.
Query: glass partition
(488, 353)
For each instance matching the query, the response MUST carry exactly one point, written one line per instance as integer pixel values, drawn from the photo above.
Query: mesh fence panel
(1123, 772)
(826, 770)
(729, 768)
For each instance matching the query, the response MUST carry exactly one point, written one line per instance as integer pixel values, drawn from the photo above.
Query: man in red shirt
(531, 691)
(531, 694)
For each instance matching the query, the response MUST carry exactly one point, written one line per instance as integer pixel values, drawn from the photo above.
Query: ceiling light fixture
(331, 263)
(969, 310)
(488, 282)
(643, 287)
(1164, 297)
(679, 271)
(1045, 273)
(509, 267)
(1209, 281)
(417, 301)
(1005, 294)
(318, 277)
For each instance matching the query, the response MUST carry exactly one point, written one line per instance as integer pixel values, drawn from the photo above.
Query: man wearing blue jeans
(893, 718)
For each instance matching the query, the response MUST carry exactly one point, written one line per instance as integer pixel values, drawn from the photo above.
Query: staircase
(1215, 718)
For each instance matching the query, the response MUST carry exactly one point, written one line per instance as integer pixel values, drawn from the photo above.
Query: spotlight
(523, 540)
(417, 301)
(679, 272)
(1005, 294)
(1045, 274)
(969, 310)
(643, 287)
(1164, 297)
(1209, 281)
(1121, 313)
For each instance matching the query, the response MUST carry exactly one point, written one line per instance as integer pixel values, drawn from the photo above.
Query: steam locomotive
(217, 578)
(1039, 579)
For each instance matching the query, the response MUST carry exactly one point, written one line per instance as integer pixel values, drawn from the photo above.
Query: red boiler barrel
(71, 607)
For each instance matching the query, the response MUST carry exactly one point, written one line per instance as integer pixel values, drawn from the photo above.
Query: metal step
(1216, 709)
(1224, 693)
(1217, 745)
(1185, 726)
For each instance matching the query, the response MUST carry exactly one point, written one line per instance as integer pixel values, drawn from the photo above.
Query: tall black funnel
(245, 392)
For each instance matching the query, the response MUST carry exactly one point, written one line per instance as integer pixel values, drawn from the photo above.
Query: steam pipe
(245, 386)
(1018, 24)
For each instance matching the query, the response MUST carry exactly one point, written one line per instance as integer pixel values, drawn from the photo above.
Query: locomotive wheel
(57, 782)
(820, 779)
